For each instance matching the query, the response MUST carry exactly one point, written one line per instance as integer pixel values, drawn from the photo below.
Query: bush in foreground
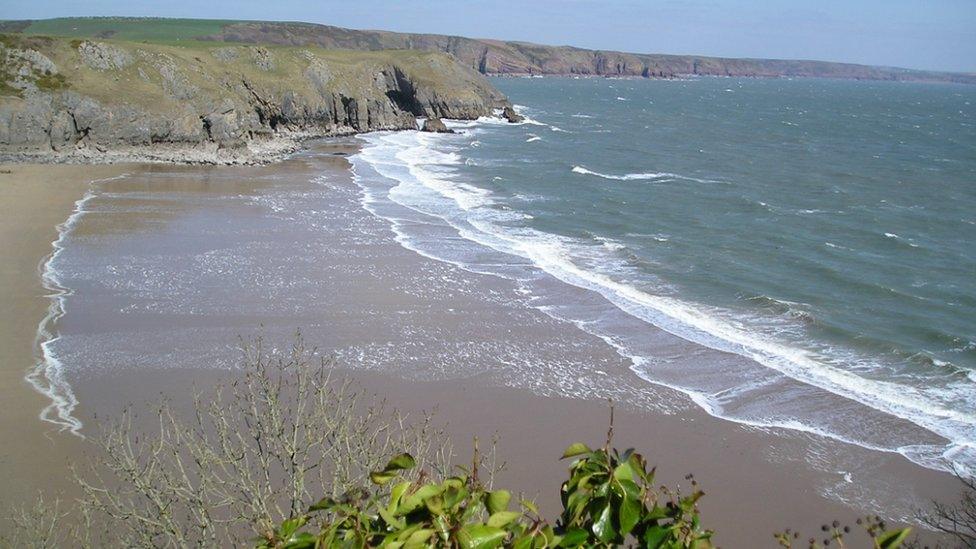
(288, 457)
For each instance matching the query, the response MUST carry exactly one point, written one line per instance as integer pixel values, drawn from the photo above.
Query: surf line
(47, 375)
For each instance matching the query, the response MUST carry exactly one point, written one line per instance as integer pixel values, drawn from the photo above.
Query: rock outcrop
(435, 125)
(88, 100)
(508, 113)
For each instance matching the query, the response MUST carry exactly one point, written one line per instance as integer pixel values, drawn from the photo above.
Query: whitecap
(647, 176)
(569, 261)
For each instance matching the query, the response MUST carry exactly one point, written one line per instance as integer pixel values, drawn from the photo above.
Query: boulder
(512, 116)
(435, 125)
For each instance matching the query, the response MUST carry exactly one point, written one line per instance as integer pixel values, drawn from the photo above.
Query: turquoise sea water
(821, 233)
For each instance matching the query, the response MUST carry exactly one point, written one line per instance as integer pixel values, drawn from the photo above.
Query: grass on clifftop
(147, 29)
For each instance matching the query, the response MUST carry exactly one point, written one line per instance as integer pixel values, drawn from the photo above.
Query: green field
(148, 29)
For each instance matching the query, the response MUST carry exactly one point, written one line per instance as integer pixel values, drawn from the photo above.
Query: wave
(901, 240)
(647, 176)
(791, 309)
(47, 376)
(588, 267)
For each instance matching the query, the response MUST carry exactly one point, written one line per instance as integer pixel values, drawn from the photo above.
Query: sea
(793, 255)
(825, 230)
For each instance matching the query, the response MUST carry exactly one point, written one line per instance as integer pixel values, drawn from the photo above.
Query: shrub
(957, 520)
(252, 454)
(244, 469)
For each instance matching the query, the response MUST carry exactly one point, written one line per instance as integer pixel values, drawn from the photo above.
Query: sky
(921, 34)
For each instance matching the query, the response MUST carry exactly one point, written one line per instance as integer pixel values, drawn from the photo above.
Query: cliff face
(95, 99)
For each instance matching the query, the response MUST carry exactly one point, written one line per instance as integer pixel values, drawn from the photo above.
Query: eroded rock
(509, 114)
(435, 125)
(104, 57)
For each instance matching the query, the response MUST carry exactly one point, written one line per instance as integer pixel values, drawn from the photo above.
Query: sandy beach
(420, 333)
(34, 199)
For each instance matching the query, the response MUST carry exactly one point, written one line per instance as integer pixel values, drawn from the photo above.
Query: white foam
(47, 376)
(646, 176)
(558, 256)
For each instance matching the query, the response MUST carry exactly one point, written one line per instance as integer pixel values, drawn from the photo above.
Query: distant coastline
(487, 56)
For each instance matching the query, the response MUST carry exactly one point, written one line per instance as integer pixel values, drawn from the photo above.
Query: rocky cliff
(64, 99)
(485, 56)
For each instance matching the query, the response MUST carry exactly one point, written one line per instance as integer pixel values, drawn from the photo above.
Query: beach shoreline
(34, 200)
(752, 476)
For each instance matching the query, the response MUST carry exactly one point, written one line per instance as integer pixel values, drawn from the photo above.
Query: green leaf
(630, 513)
(531, 506)
(574, 538)
(410, 502)
(688, 503)
(480, 536)
(454, 496)
(630, 489)
(435, 504)
(657, 513)
(418, 539)
(391, 520)
(624, 472)
(603, 526)
(398, 491)
(400, 462)
(576, 449)
(576, 505)
(290, 526)
(301, 540)
(892, 538)
(323, 504)
(656, 536)
(639, 465)
(498, 501)
(381, 477)
(502, 518)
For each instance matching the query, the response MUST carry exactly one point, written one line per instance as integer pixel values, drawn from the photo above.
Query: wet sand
(34, 199)
(419, 333)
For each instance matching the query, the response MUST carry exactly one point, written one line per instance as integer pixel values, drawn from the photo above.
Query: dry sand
(757, 482)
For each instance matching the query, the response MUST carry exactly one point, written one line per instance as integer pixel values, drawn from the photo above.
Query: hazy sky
(927, 34)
